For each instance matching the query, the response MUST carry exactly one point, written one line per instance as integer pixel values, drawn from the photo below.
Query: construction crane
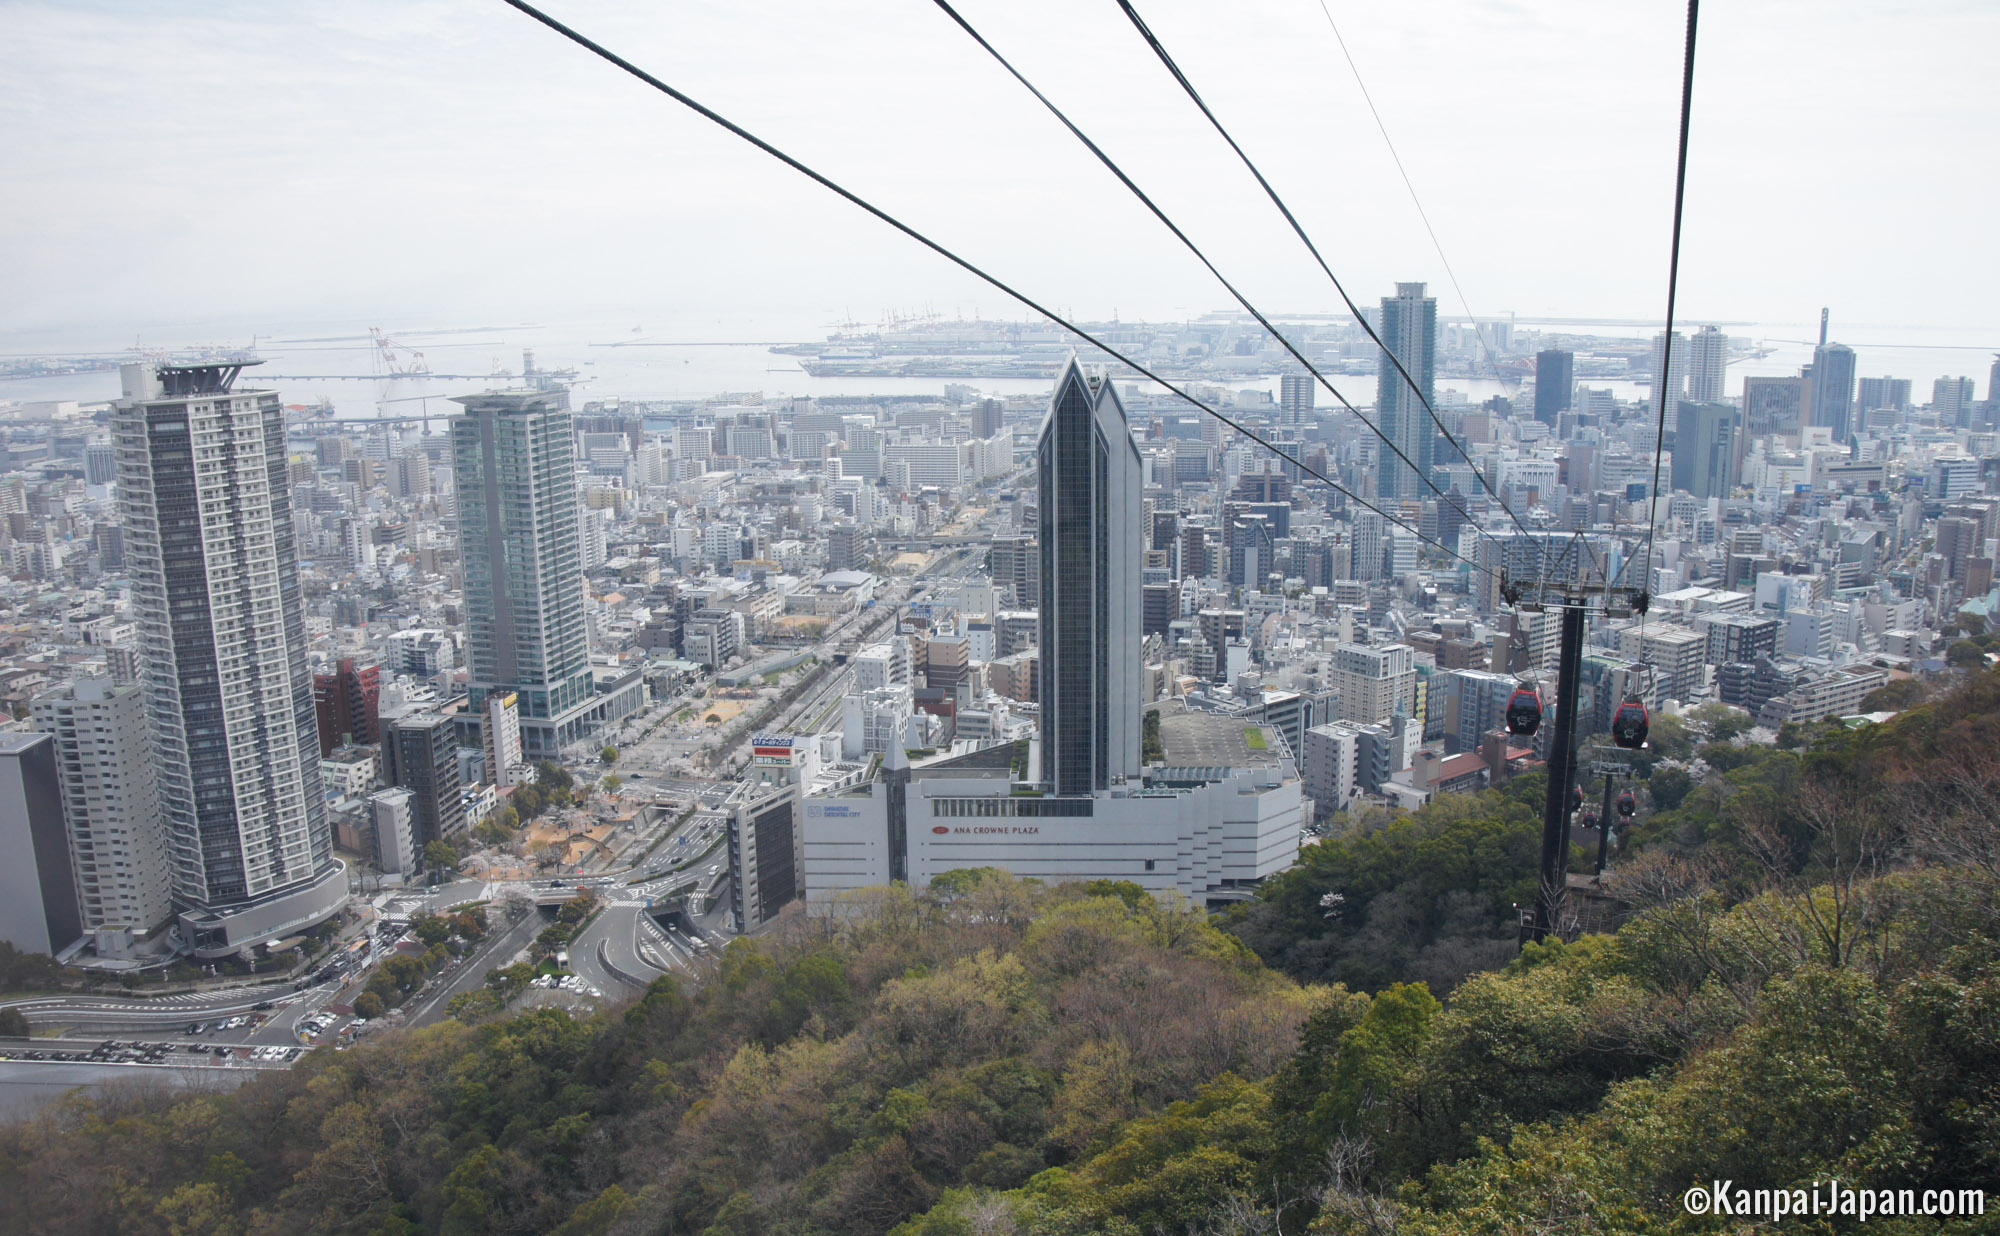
(397, 366)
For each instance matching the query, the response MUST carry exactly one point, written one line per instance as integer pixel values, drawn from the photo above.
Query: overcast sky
(451, 162)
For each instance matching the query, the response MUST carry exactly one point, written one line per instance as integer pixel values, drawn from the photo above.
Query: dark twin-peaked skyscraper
(1090, 510)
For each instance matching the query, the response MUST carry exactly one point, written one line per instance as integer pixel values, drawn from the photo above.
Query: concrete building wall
(38, 898)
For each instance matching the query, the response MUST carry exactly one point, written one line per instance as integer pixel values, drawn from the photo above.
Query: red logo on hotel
(939, 829)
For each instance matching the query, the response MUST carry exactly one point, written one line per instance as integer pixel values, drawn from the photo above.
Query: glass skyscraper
(1706, 441)
(514, 461)
(1090, 511)
(1409, 329)
(1831, 389)
(206, 506)
(1555, 383)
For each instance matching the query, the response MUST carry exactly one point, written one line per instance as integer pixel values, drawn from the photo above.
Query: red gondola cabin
(1524, 711)
(1629, 726)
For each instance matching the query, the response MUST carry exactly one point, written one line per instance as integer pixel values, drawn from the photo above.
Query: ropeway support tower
(1575, 601)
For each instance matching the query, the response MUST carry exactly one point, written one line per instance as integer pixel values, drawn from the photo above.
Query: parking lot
(179, 1054)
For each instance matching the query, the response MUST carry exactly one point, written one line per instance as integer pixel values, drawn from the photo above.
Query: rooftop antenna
(1822, 327)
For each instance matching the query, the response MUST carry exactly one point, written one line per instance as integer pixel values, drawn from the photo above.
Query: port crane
(394, 361)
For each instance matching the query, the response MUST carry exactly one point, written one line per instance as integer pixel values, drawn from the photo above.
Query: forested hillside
(1807, 989)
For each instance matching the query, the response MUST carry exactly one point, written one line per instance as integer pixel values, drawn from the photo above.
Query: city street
(606, 953)
(648, 760)
(469, 974)
(620, 951)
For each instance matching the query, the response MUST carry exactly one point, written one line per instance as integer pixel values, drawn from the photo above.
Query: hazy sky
(450, 162)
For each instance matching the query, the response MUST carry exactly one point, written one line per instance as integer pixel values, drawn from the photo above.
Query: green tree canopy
(1805, 986)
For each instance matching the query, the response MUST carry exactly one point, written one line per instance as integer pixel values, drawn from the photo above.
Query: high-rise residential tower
(1707, 364)
(843, 547)
(1365, 555)
(514, 463)
(1877, 393)
(1555, 383)
(500, 735)
(1952, 402)
(420, 754)
(1090, 509)
(1409, 329)
(348, 704)
(206, 504)
(1669, 369)
(1295, 398)
(1374, 683)
(111, 807)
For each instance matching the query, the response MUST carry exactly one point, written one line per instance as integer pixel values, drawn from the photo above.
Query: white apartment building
(1837, 694)
(1707, 365)
(395, 831)
(874, 722)
(930, 463)
(351, 776)
(501, 736)
(694, 443)
(118, 843)
(1677, 655)
(751, 442)
(421, 652)
(1331, 764)
(887, 664)
(1374, 684)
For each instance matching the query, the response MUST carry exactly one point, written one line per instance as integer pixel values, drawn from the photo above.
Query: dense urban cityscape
(273, 672)
(627, 745)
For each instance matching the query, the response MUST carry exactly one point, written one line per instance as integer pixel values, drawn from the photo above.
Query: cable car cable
(1673, 284)
(1201, 257)
(1174, 69)
(611, 57)
(1422, 214)
(1673, 290)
